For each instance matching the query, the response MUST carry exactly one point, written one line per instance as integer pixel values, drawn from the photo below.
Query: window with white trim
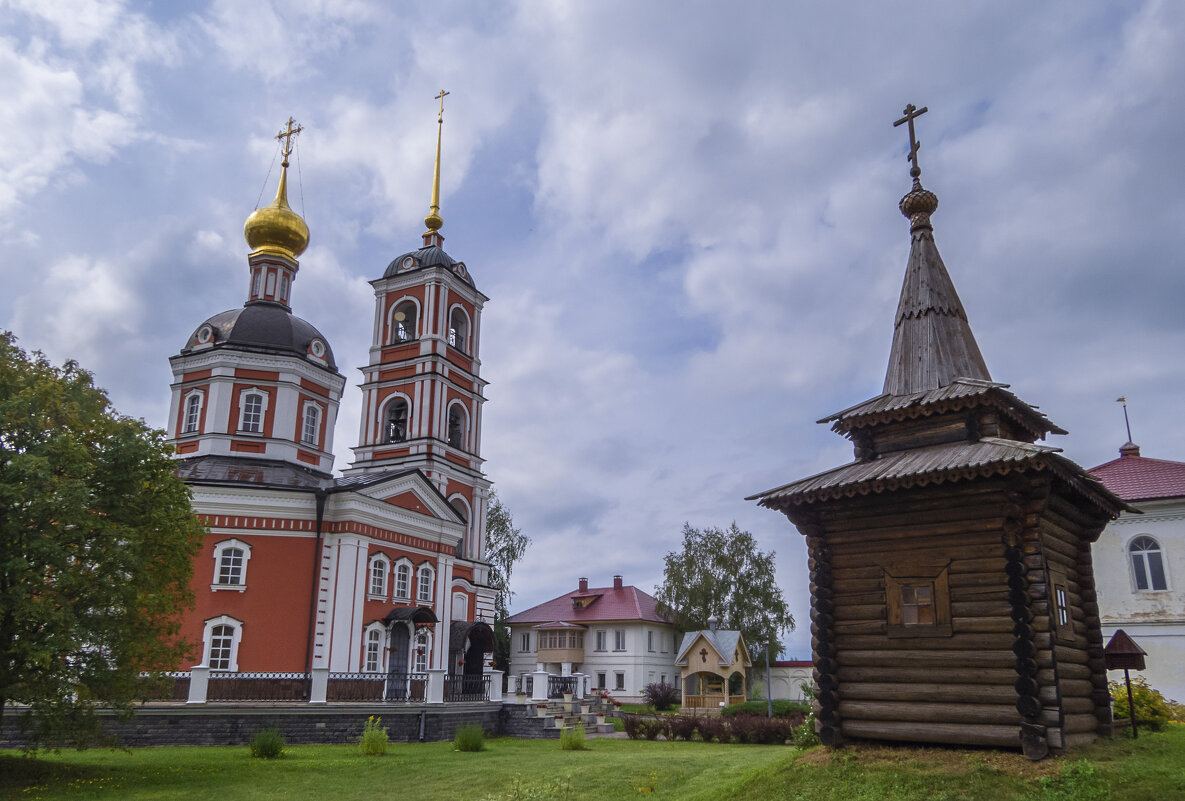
(377, 584)
(403, 322)
(649, 640)
(374, 648)
(230, 565)
(456, 426)
(619, 639)
(601, 639)
(311, 426)
(618, 682)
(460, 606)
(423, 646)
(424, 584)
(1147, 561)
(193, 412)
(395, 426)
(284, 287)
(524, 645)
(458, 329)
(403, 580)
(220, 643)
(252, 406)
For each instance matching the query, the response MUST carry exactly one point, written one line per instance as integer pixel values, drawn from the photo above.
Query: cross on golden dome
(288, 134)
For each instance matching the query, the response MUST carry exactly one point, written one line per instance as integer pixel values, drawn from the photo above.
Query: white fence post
(435, 693)
(199, 680)
(579, 686)
(320, 685)
(539, 686)
(496, 684)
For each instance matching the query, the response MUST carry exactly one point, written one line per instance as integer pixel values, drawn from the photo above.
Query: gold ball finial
(276, 228)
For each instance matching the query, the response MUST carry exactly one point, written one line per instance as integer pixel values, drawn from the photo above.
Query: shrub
(712, 728)
(634, 725)
(782, 708)
(661, 696)
(1152, 709)
(469, 738)
(572, 739)
(681, 727)
(374, 737)
(805, 735)
(267, 744)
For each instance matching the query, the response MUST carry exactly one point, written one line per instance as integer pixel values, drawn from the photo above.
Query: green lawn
(1151, 768)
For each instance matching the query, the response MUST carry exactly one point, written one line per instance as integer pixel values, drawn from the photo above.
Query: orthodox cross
(287, 135)
(911, 113)
(443, 94)
(703, 654)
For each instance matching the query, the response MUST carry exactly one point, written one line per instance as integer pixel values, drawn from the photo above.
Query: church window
(230, 565)
(374, 648)
(1147, 564)
(458, 329)
(378, 577)
(193, 413)
(424, 592)
(395, 427)
(221, 643)
(460, 606)
(456, 426)
(918, 604)
(422, 647)
(312, 423)
(462, 510)
(403, 323)
(255, 281)
(403, 580)
(271, 283)
(284, 287)
(252, 405)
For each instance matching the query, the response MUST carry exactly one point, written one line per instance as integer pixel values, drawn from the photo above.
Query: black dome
(264, 327)
(425, 257)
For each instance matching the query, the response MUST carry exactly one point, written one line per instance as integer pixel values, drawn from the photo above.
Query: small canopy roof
(419, 615)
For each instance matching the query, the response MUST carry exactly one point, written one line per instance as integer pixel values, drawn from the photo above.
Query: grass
(1152, 767)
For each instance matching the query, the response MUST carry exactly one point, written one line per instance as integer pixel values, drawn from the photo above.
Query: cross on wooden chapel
(911, 113)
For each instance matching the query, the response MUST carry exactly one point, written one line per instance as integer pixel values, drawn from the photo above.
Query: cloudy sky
(684, 214)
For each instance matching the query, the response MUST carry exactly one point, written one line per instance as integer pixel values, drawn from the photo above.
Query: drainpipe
(321, 495)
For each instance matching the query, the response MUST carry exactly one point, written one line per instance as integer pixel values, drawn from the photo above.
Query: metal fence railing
(172, 686)
(406, 687)
(558, 685)
(463, 687)
(356, 687)
(258, 687)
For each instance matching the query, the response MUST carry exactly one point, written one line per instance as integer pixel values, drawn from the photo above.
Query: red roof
(613, 603)
(1137, 478)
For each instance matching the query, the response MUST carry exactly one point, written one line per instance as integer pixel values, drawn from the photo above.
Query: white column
(539, 691)
(435, 693)
(199, 678)
(320, 685)
(579, 692)
(495, 684)
(444, 580)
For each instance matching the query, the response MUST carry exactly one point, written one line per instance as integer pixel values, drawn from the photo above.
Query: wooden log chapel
(952, 594)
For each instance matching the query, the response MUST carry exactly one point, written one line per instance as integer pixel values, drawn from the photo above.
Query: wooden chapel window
(917, 602)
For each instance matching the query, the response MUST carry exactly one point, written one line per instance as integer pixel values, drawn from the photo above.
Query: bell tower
(422, 391)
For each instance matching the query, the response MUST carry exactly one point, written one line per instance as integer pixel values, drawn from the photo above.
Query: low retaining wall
(300, 724)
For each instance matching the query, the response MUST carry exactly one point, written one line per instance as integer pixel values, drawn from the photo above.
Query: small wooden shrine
(713, 663)
(952, 593)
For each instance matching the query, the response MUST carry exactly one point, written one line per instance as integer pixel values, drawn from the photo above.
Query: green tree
(505, 545)
(722, 572)
(97, 540)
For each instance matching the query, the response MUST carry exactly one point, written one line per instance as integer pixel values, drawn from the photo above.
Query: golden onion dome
(277, 228)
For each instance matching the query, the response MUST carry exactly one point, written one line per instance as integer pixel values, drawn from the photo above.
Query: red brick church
(380, 571)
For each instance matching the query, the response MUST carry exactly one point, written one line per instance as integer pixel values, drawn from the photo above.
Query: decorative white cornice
(226, 358)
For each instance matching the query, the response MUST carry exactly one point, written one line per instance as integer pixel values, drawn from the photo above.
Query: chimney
(1128, 450)
(617, 582)
(583, 584)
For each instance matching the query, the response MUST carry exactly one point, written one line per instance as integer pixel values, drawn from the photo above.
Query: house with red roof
(614, 635)
(1139, 564)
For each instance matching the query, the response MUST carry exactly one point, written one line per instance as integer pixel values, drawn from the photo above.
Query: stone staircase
(547, 720)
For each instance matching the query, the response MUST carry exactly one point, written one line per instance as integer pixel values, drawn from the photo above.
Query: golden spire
(433, 220)
(277, 228)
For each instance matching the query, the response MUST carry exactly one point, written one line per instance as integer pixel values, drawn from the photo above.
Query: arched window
(423, 645)
(230, 565)
(374, 648)
(1147, 564)
(403, 580)
(255, 280)
(252, 405)
(378, 577)
(284, 287)
(312, 423)
(458, 329)
(456, 426)
(462, 509)
(395, 426)
(403, 322)
(220, 643)
(193, 413)
(424, 586)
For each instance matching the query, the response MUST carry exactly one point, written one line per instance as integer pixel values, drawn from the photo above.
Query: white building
(615, 635)
(1139, 564)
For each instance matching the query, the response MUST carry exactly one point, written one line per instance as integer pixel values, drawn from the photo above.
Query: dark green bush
(469, 738)
(782, 708)
(267, 744)
(661, 696)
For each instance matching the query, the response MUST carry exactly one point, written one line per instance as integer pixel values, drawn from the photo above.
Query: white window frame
(284, 286)
(466, 336)
(315, 408)
(1145, 565)
(386, 410)
(464, 425)
(219, 548)
(618, 681)
(195, 413)
(256, 283)
(462, 599)
(649, 640)
(618, 640)
(602, 641)
(402, 564)
(421, 650)
(372, 646)
(375, 561)
(392, 339)
(208, 641)
(428, 573)
(269, 285)
(524, 645)
(243, 395)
